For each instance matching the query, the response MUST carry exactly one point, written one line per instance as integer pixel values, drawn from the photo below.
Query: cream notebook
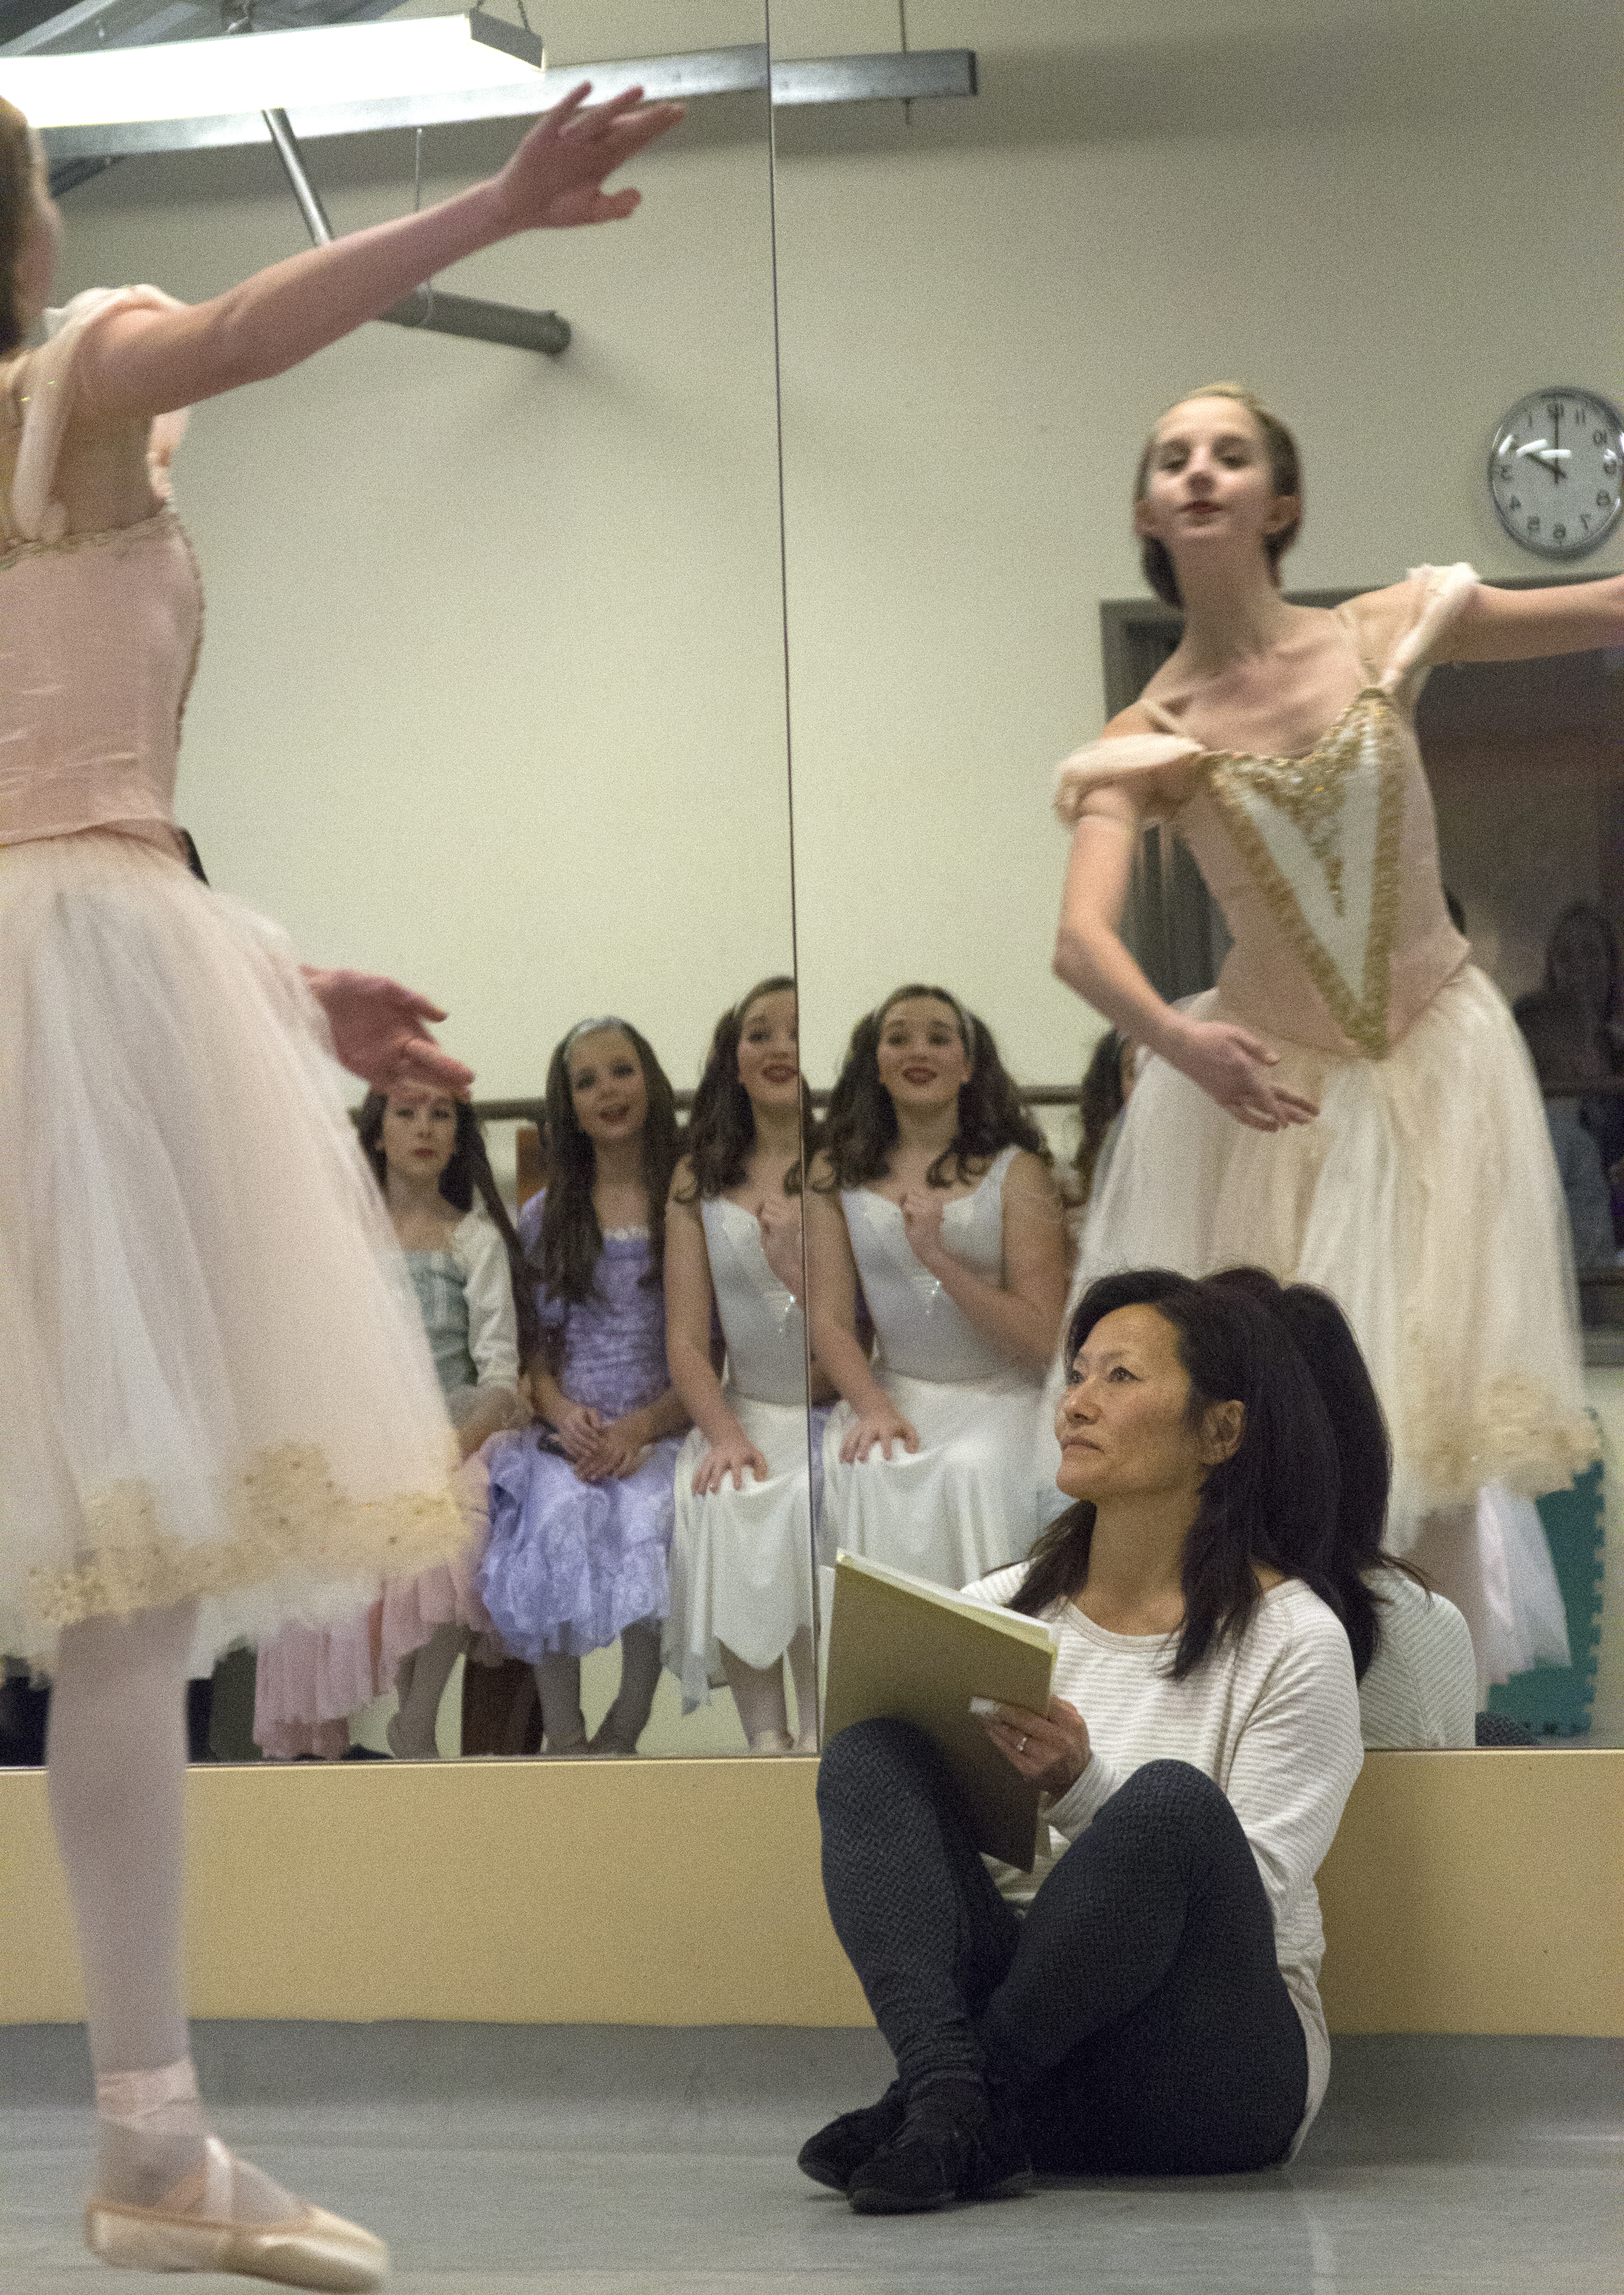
(902, 1649)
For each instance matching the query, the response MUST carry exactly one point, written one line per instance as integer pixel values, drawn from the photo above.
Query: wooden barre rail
(1037, 1095)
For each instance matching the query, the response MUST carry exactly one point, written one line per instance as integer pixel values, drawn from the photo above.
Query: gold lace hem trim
(285, 1516)
(1519, 1436)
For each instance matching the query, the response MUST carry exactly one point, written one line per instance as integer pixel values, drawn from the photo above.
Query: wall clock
(1555, 471)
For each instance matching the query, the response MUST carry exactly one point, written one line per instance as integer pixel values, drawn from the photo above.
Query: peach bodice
(1324, 865)
(99, 632)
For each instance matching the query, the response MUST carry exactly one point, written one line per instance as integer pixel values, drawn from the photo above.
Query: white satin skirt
(215, 1380)
(741, 1560)
(1424, 1197)
(960, 1506)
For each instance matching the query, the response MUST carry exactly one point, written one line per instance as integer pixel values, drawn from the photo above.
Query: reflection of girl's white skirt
(741, 1561)
(1425, 1199)
(215, 1382)
(964, 1503)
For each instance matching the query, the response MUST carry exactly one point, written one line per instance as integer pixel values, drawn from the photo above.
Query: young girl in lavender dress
(430, 1163)
(742, 1559)
(580, 1516)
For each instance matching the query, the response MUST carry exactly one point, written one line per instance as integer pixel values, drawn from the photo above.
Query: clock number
(1554, 410)
(1515, 503)
(1584, 519)
(1598, 438)
(1603, 500)
(1507, 471)
(1533, 525)
(1559, 534)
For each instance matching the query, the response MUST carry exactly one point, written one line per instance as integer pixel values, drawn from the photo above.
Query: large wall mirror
(985, 305)
(492, 697)
(496, 694)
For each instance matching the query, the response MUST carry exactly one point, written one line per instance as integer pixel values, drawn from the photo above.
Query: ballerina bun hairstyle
(1285, 475)
(18, 161)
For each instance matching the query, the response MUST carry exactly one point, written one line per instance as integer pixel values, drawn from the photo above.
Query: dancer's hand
(737, 1457)
(780, 1221)
(619, 1449)
(922, 1209)
(379, 1033)
(555, 178)
(1232, 1065)
(579, 1428)
(884, 1424)
(1051, 1750)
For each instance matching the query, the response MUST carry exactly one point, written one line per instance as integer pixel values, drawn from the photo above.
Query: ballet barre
(1036, 1095)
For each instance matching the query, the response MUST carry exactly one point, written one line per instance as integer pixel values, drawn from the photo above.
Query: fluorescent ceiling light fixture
(273, 72)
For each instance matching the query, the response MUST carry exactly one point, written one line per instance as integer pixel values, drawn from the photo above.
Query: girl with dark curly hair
(581, 1516)
(741, 1596)
(934, 1191)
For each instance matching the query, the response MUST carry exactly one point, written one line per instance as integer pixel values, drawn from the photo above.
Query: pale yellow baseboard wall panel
(1466, 1892)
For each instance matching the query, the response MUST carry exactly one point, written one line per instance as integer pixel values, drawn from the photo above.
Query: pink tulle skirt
(308, 1681)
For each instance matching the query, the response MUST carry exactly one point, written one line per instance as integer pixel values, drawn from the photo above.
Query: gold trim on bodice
(1315, 797)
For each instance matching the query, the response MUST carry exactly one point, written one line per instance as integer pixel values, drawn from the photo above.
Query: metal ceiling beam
(886, 77)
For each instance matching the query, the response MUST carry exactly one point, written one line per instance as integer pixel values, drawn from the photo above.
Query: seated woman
(1412, 1651)
(934, 1190)
(581, 1514)
(741, 1560)
(1154, 2011)
(463, 1258)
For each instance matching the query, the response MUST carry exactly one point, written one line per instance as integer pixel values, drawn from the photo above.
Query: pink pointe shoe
(193, 2231)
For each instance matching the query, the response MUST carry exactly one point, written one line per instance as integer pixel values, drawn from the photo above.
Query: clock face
(1555, 471)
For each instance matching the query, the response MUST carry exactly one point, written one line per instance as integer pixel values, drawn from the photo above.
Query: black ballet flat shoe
(831, 2156)
(959, 2140)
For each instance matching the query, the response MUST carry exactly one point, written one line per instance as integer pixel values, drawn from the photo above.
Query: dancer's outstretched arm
(142, 363)
(1523, 624)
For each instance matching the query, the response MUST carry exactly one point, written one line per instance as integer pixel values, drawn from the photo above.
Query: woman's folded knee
(869, 1756)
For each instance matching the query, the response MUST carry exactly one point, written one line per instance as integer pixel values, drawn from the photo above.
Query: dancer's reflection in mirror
(581, 1516)
(934, 1190)
(1351, 1105)
(741, 1597)
(202, 1441)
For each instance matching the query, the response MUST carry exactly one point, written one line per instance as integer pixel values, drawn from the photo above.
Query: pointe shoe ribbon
(193, 2231)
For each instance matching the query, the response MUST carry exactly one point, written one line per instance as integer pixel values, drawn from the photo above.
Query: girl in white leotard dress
(741, 1552)
(934, 1191)
(1351, 1105)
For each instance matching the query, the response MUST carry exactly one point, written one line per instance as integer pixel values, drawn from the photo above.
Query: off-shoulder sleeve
(492, 1330)
(1144, 764)
(49, 396)
(1441, 592)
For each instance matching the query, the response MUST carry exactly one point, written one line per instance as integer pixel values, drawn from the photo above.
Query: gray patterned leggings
(1137, 2012)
